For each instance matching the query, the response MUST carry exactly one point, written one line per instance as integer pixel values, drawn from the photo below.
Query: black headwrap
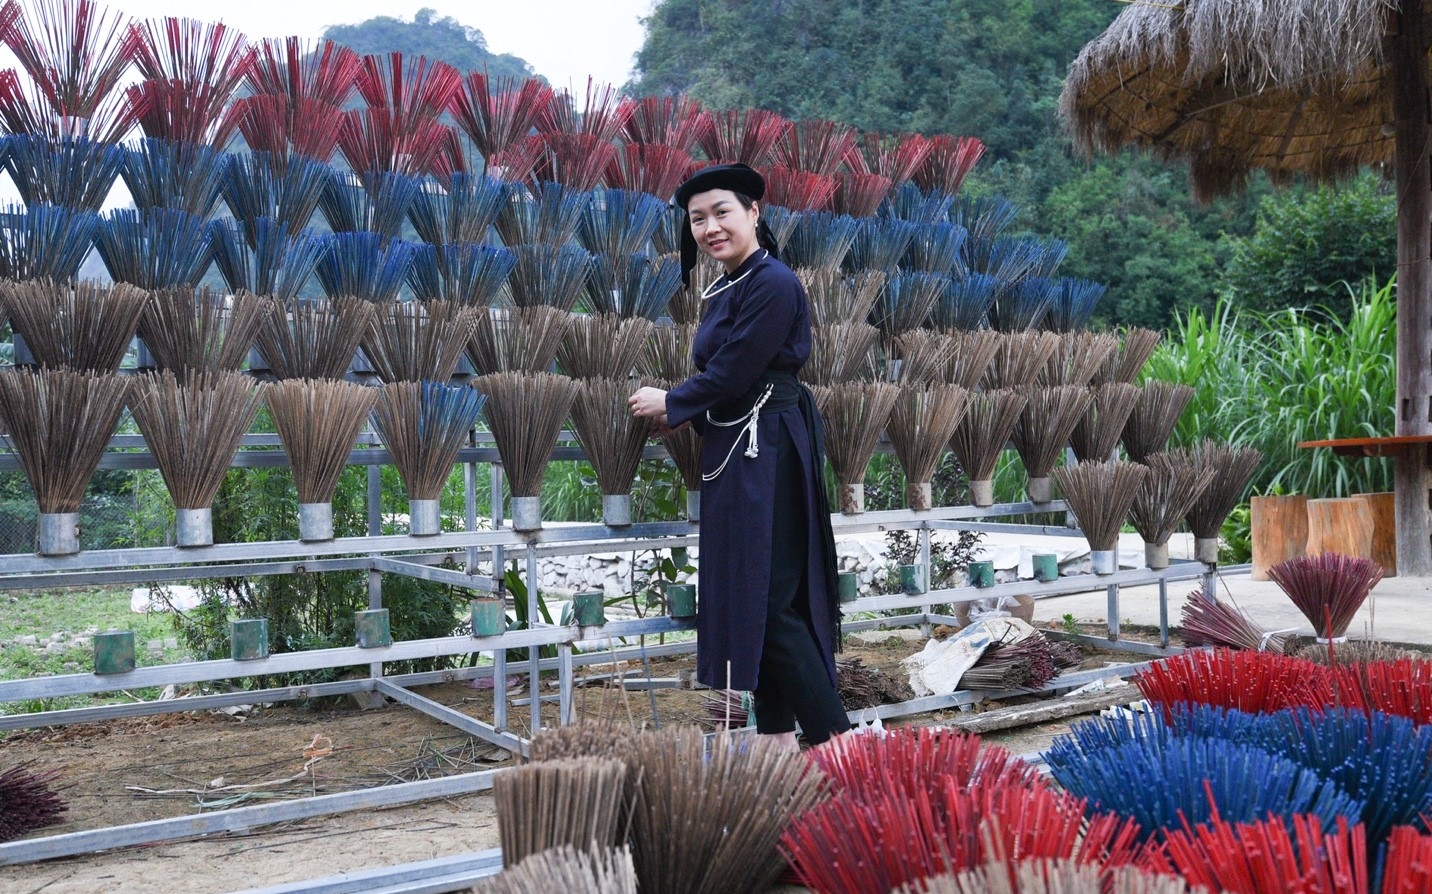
(736, 177)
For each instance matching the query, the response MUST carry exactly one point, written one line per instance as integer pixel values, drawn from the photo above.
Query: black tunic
(759, 323)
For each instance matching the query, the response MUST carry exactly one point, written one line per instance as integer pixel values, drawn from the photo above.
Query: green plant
(1236, 537)
(1070, 623)
(948, 559)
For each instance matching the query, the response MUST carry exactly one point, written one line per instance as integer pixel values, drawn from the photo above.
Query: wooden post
(1407, 55)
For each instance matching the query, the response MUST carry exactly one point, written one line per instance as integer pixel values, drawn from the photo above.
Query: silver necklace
(707, 293)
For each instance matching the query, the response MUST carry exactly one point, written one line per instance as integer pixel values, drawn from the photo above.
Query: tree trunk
(1407, 54)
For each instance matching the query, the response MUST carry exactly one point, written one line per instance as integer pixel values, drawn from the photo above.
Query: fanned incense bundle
(548, 214)
(549, 275)
(1232, 468)
(1100, 494)
(1154, 418)
(462, 212)
(313, 339)
(841, 352)
(1328, 588)
(27, 802)
(603, 346)
(163, 174)
(194, 329)
(424, 425)
(164, 247)
(855, 414)
(1078, 357)
(261, 257)
(193, 428)
(462, 272)
(59, 422)
(258, 185)
(317, 421)
(667, 354)
(573, 871)
(922, 357)
(729, 800)
(550, 804)
(1043, 432)
(83, 326)
(1050, 877)
(683, 445)
(378, 206)
(525, 412)
(906, 302)
(363, 265)
(920, 425)
(1073, 304)
(1135, 350)
(75, 173)
(1174, 482)
(839, 297)
(412, 341)
(518, 339)
(747, 136)
(1097, 434)
(982, 435)
(1213, 622)
(497, 112)
(613, 440)
(45, 241)
(1019, 357)
(972, 354)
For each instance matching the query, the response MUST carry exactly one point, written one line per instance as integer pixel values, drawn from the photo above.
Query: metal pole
(1113, 592)
(564, 689)
(534, 674)
(929, 578)
(1163, 612)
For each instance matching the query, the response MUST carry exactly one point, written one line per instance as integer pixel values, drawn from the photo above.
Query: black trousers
(793, 684)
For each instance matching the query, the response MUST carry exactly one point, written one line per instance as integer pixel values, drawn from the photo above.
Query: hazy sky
(564, 40)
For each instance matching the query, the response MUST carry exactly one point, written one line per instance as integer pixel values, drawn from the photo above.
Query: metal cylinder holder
(681, 600)
(693, 505)
(315, 522)
(588, 608)
(248, 639)
(59, 533)
(114, 652)
(194, 527)
(1156, 555)
(616, 510)
(1205, 550)
(371, 628)
(852, 499)
(847, 586)
(912, 580)
(1104, 561)
(1040, 490)
(424, 518)
(920, 496)
(526, 513)
(982, 574)
(982, 492)
(489, 616)
(1046, 567)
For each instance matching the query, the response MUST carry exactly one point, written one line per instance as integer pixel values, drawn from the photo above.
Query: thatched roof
(1295, 87)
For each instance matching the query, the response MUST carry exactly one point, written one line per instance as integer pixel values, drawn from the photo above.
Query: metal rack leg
(1113, 593)
(1163, 613)
(534, 675)
(564, 690)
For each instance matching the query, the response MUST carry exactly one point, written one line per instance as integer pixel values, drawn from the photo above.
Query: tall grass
(1273, 380)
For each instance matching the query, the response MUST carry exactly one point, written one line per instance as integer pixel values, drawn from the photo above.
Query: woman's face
(722, 227)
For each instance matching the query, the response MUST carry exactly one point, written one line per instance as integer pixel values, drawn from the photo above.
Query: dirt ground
(130, 771)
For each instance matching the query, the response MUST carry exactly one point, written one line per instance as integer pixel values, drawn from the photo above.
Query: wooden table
(1389, 446)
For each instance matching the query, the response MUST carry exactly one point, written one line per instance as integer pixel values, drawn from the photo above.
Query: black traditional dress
(754, 336)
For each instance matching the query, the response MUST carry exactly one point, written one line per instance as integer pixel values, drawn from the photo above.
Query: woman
(768, 619)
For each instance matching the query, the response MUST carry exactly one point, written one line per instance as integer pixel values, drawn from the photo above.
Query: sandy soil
(130, 771)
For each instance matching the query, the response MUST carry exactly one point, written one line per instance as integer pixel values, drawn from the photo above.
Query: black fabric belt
(785, 395)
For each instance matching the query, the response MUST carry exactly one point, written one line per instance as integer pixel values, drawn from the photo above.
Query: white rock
(27, 640)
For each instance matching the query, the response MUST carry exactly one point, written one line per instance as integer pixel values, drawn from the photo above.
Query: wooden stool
(1279, 531)
(1340, 525)
(1384, 530)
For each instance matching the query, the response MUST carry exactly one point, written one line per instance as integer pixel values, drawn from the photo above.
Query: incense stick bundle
(412, 341)
(841, 352)
(1154, 418)
(59, 422)
(1174, 483)
(378, 206)
(667, 354)
(603, 346)
(28, 802)
(618, 223)
(1073, 304)
(860, 194)
(1135, 350)
(525, 412)
(1213, 622)
(687, 304)
(838, 297)
(549, 275)
(83, 326)
(820, 240)
(462, 272)
(165, 247)
(880, 243)
(1232, 467)
(193, 428)
(194, 329)
(45, 241)
(683, 445)
(424, 425)
(613, 440)
(548, 214)
(1043, 432)
(163, 174)
(971, 356)
(1327, 588)
(71, 172)
(463, 212)
(855, 414)
(573, 871)
(636, 285)
(1020, 304)
(1097, 434)
(922, 357)
(1100, 494)
(1019, 358)
(906, 302)
(982, 435)
(550, 804)
(303, 339)
(497, 112)
(261, 257)
(729, 803)
(517, 339)
(363, 265)
(317, 421)
(966, 301)
(921, 423)
(1049, 877)
(258, 185)
(1078, 357)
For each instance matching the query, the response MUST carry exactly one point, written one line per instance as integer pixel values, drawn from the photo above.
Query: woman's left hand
(648, 402)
